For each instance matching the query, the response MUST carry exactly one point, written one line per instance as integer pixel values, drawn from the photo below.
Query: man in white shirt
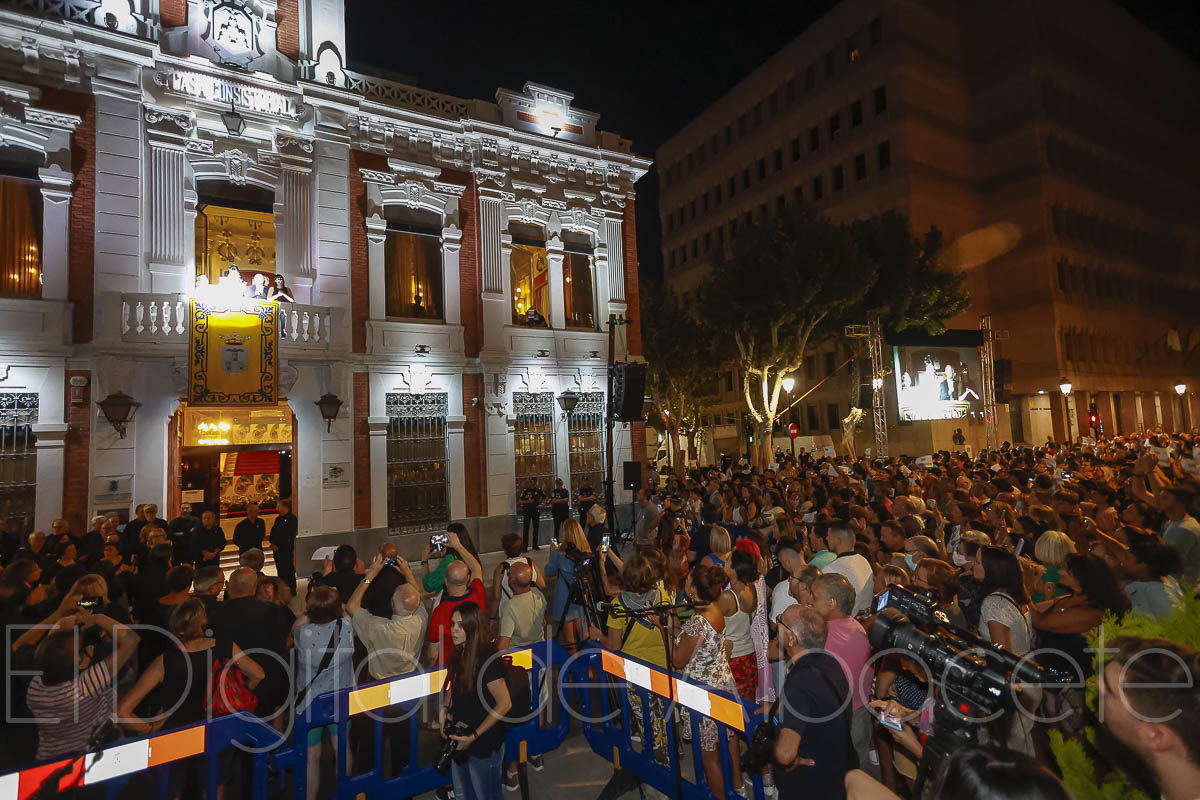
(522, 620)
(852, 566)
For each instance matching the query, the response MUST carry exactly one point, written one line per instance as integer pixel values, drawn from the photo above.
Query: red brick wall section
(633, 331)
(287, 35)
(362, 451)
(173, 13)
(474, 445)
(359, 306)
(76, 453)
(80, 281)
(469, 271)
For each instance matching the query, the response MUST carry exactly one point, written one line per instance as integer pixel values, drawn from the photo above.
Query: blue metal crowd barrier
(592, 683)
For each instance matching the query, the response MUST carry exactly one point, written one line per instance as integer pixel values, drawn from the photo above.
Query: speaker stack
(628, 391)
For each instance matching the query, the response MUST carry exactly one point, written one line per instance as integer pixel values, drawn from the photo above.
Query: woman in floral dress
(701, 655)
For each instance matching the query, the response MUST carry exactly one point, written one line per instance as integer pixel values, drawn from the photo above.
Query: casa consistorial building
(234, 270)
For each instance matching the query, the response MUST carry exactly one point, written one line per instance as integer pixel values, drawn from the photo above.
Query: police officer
(560, 504)
(587, 498)
(529, 501)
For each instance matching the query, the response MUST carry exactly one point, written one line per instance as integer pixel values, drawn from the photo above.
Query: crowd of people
(1027, 549)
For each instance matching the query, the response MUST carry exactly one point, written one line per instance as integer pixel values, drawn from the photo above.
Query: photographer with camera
(464, 583)
(475, 702)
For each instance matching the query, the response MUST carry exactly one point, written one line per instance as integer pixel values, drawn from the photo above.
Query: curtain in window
(530, 281)
(20, 239)
(413, 275)
(580, 306)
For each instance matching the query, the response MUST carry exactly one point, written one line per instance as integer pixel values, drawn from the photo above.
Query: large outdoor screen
(938, 382)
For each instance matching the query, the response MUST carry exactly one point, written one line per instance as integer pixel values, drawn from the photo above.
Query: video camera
(975, 676)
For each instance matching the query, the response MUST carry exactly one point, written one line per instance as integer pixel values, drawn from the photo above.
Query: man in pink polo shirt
(834, 598)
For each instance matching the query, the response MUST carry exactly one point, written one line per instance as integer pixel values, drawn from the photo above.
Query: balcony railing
(135, 18)
(163, 318)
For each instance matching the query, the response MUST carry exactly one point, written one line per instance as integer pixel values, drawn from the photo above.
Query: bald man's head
(457, 575)
(405, 600)
(243, 582)
(520, 576)
(388, 550)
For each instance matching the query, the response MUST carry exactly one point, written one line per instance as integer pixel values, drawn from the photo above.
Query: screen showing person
(938, 382)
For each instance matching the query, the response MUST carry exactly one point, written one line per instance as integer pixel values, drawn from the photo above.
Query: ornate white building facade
(147, 143)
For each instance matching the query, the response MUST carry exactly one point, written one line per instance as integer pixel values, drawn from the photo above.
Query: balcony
(162, 319)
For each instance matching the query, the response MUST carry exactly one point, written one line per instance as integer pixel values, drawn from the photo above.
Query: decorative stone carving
(51, 119)
(376, 176)
(287, 379)
(286, 140)
(236, 163)
(200, 147)
(169, 119)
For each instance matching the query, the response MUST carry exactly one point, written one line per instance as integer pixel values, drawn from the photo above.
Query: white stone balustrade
(163, 318)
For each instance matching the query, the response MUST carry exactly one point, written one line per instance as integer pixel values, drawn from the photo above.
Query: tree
(680, 367)
(785, 284)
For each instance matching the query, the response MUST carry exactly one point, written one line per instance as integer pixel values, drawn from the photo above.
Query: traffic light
(1094, 416)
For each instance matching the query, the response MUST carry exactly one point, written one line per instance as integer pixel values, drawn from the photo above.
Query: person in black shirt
(283, 543)
(256, 626)
(180, 534)
(528, 501)
(343, 572)
(587, 498)
(251, 531)
(10, 543)
(814, 755)
(209, 541)
(129, 534)
(34, 549)
(560, 504)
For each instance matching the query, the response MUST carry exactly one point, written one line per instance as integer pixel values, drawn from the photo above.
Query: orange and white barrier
(697, 698)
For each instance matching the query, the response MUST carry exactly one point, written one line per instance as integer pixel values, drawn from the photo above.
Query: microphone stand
(664, 611)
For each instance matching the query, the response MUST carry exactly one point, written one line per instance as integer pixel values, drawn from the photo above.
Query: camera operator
(975, 773)
(474, 706)
(813, 751)
(563, 564)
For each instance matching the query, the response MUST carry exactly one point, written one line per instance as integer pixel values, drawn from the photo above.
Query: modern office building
(1051, 145)
(398, 247)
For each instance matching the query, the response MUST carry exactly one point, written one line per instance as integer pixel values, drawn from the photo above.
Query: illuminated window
(20, 238)
(235, 226)
(413, 275)
(579, 304)
(530, 285)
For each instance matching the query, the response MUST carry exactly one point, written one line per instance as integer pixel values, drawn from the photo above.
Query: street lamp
(1180, 389)
(1064, 386)
(119, 409)
(329, 405)
(788, 384)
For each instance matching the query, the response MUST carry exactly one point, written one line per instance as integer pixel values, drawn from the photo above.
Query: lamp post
(119, 409)
(1181, 390)
(1064, 386)
(789, 383)
(329, 405)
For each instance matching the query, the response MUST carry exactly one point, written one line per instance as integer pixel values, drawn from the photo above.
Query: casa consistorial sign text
(224, 92)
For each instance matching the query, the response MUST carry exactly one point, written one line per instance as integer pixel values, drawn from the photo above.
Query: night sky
(647, 68)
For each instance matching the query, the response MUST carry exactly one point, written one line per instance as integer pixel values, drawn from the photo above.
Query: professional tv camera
(975, 678)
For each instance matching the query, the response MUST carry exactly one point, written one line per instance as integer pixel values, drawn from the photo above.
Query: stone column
(376, 267)
(56, 233)
(456, 452)
(293, 226)
(495, 262)
(451, 250)
(377, 431)
(616, 266)
(48, 500)
(554, 257)
(167, 230)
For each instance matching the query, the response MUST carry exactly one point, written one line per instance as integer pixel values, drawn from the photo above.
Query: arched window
(413, 264)
(20, 226)
(530, 276)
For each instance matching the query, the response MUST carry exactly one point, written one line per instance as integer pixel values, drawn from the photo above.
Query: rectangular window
(18, 454)
(579, 281)
(810, 367)
(852, 52)
(814, 422)
(691, 157)
(20, 250)
(720, 236)
(798, 194)
(412, 275)
(717, 194)
(839, 178)
(670, 222)
(746, 178)
(707, 241)
(796, 149)
(732, 187)
(730, 419)
(732, 227)
(728, 382)
(830, 363)
(585, 430)
(531, 286)
(695, 247)
(692, 209)
(860, 167)
(683, 255)
(780, 205)
(814, 139)
(749, 218)
(791, 90)
(810, 77)
(533, 440)
(762, 213)
(225, 237)
(761, 164)
(830, 64)
(417, 477)
(671, 259)
(835, 126)
(715, 140)
(884, 155)
(880, 97)
(856, 115)
(875, 31)
(703, 152)
(817, 190)
(833, 417)
(773, 102)
(778, 159)
(728, 135)
(704, 203)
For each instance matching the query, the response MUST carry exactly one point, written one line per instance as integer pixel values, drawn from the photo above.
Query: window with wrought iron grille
(18, 460)
(586, 428)
(534, 439)
(417, 479)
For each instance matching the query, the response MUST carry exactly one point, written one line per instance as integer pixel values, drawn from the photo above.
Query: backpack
(517, 681)
(228, 692)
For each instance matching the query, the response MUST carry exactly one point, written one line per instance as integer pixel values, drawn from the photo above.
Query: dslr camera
(451, 728)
